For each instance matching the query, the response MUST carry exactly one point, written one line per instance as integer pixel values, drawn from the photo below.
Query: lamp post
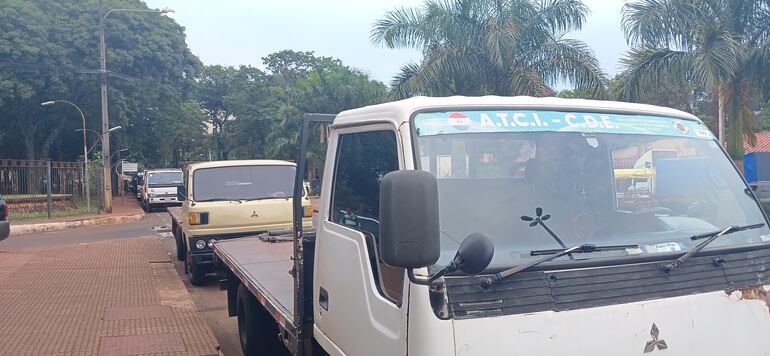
(105, 117)
(85, 146)
(98, 135)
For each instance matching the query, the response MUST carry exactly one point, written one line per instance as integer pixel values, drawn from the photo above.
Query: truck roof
(245, 162)
(401, 111)
(163, 170)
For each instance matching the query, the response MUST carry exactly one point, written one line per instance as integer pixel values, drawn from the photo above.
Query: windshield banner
(454, 122)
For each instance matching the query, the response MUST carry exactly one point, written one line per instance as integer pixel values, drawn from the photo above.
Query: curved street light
(105, 114)
(98, 136)
(85, 146)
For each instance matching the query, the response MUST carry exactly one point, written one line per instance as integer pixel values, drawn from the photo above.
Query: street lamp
(105, 117)
(85, 146)
(98, 135)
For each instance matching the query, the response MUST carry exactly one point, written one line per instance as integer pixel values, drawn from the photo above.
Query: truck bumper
(5, 229)
(204, 260)
(166, 201)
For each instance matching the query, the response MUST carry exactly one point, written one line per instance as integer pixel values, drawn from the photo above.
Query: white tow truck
(491, 226)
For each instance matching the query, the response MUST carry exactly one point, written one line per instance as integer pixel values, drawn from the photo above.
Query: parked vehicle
(227, 199)
(5, 225)
(160, 187)
(139, 185)
(491, 226)
(756, 167)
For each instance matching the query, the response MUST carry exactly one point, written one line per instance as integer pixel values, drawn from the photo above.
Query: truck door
(358, 300)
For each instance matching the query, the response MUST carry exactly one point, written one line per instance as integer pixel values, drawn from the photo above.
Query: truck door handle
(323, 299)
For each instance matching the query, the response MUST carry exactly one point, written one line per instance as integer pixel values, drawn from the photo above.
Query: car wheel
(181, 249)
(197, 275)
(257, 330)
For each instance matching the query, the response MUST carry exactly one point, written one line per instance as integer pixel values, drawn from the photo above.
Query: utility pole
(107, 180)
(107, 185)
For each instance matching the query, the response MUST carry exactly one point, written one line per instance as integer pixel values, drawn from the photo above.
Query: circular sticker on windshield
(459, 121)
(584, 225)
(681, 127)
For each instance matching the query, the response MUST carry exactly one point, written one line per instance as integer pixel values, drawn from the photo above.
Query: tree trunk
(721, 119)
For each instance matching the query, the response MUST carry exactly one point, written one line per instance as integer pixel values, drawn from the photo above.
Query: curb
(64, 225)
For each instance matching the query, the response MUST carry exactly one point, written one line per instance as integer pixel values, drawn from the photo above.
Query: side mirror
(409, 223)
(474, 255)
(180, 193)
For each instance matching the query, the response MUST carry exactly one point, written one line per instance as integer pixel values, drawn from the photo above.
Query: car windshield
(157, 179)
(603, 179)
(243, 183)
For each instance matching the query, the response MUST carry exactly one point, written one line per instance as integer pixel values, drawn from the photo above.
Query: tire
(181, 249)
(197, 275)
(257, 330)
(146, 207)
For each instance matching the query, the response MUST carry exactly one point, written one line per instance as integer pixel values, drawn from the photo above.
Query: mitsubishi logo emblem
(254, 214)
(660, 344)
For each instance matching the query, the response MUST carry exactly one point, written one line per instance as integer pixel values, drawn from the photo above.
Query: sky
(235, 32)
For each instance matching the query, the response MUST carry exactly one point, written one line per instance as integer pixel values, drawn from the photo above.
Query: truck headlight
(211, 243)
(200, 244)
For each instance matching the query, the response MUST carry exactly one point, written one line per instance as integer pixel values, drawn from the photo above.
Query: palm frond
(646, 67)
(400, 28)
(561, 15)
(403, 85)
(572, 60)
(662, 22)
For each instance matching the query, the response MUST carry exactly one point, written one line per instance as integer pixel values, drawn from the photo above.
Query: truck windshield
(164, 179)
(605, 179)
(243, 183)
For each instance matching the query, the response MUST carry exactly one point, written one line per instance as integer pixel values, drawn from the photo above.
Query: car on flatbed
(227, 199)
(5, 225)
(493, 226)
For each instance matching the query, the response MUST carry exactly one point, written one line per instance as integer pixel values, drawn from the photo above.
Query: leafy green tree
(49, 50)
(477, 47)
(719, 45)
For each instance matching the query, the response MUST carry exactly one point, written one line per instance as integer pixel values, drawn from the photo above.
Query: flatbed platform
(175, 212)
(264, 268)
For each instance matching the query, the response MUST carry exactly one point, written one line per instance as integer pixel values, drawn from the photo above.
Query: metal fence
(36, 188)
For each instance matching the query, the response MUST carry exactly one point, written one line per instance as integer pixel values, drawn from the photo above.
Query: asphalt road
(209, 300)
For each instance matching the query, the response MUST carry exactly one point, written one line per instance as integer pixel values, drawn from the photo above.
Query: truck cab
(228, 199)
(160, 187)
(494, 226)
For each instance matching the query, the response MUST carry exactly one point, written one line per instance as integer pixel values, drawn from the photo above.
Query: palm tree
(722, 46)
(502, 47)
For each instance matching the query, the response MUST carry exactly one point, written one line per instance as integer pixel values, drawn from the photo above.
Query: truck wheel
(257, 330)
(197, 275)
(146, 207)
(181, 250)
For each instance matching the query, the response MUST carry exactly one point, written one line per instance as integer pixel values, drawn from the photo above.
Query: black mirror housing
(409, 220)
(180, 193)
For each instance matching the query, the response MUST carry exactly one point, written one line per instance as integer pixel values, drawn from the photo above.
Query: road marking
(164, 235)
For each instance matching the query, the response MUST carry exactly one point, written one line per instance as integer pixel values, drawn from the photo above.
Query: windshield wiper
(554, 254)
(539, 219)
(711, 236)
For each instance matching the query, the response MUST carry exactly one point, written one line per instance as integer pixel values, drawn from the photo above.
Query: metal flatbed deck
(264, 268)
(175, 212)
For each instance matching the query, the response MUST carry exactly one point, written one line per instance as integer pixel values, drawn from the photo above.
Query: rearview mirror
(180, 193)
(409, 223)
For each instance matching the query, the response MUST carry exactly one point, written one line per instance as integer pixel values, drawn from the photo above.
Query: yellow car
(228, 199)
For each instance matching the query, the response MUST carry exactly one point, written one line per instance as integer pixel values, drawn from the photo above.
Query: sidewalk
(124, 209)
(118, 297)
